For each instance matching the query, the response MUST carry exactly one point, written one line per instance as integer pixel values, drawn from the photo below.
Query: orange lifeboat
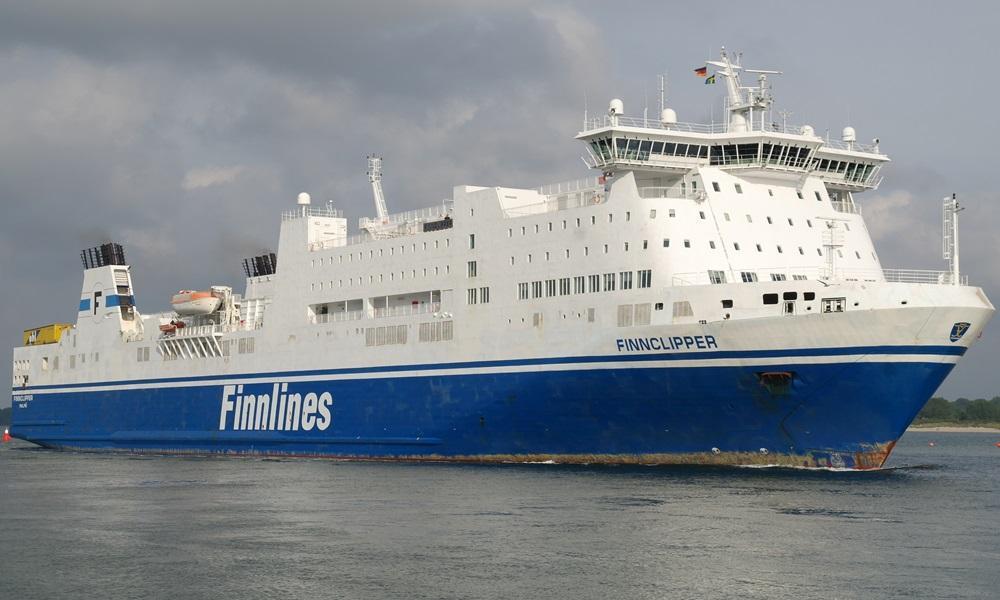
(190, 303)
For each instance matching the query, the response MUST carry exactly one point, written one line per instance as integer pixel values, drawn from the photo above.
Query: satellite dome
(616, 107)
(849, 135)
(668, 116)
(303, 199)
(808, 131)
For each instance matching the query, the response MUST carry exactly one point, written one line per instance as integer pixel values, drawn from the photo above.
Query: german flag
(701, 71)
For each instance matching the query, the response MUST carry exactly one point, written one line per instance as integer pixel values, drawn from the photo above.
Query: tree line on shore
(962, 410)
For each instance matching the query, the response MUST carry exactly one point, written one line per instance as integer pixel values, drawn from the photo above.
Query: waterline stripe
(687, 360)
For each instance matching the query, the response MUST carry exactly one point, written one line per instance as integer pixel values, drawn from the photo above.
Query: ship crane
(379, 227)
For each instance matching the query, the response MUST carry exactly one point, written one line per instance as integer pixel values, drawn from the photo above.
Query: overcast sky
(183, 128)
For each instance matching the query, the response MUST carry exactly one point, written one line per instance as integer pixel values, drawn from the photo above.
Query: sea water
(76, 525)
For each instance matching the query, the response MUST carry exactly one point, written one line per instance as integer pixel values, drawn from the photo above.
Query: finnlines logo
(277, 411)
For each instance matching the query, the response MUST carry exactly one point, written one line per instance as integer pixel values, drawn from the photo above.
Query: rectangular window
(595, 283)
(625, 313)
(472, 295)
(609, 282)
(687, 243)
(715, 186)
(564, 286)
(671, 212)
(770, 298)
(550, 287)
(739, 188)
(472, 268)
(683, 309)
(472, 241)
(834, 304)
(778, 277)
(522, 291)
(536, 289)
(818, 197)
(748, 276)
(716, 277)
(579, 284)
(666, 242)
(711, 244)
(484, 295)
(645, 278)
(625, 279)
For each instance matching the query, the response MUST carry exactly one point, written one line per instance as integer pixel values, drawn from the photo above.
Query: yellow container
(47, 334)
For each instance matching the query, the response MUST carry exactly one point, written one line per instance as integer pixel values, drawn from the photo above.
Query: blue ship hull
(798, 413)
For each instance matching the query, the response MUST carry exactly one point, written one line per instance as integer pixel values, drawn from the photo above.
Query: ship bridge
(747, 141)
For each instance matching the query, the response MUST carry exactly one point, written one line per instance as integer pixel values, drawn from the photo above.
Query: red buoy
(6, 435)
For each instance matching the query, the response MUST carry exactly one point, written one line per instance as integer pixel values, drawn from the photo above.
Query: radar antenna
(949, 237)
(742, 101)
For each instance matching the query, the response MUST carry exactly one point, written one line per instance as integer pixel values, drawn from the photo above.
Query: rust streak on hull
(818, 459)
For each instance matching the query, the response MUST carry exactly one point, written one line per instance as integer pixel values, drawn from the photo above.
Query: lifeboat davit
(189, 303)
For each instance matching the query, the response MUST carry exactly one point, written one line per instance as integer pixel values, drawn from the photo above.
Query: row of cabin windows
(537, 227)
(770, 192)
(350, 257)
(760, 248)
(381, 278)
(717, 277)
(582, 284)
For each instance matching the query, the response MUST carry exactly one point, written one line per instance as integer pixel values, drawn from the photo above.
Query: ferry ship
(710, 296)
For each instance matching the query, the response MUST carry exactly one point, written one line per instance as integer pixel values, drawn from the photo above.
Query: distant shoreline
(953, 429)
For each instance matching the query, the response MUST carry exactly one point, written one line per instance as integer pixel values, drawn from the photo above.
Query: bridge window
(657, 148)
(790, 296)
(809, 295)
(748, 276)
(770, 298)
(717, 277)
(778, 277)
